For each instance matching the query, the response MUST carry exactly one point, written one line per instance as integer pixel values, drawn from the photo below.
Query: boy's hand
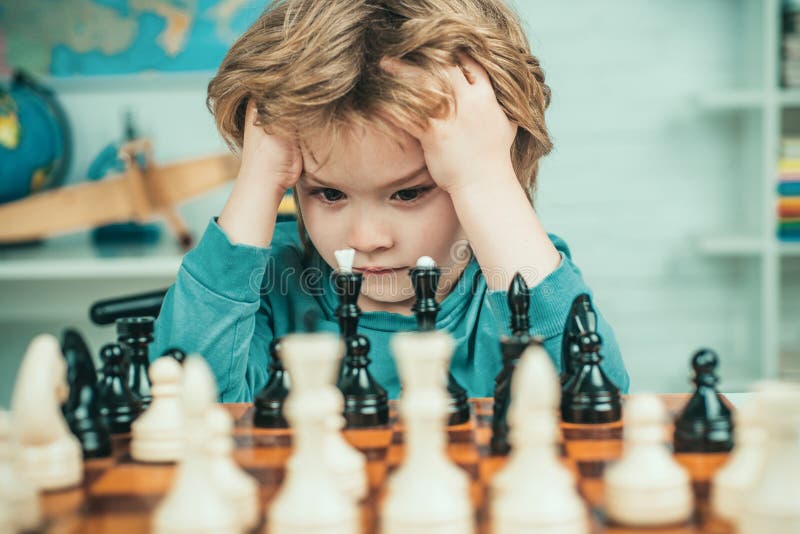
(268, 157)
(270, 165)
(472, 144)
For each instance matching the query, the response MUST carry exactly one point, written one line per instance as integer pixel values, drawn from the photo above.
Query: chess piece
(588, 396)
(118, 405)
(346, 463)
(175, 353)
(6, 521)
(580, 319)
(195, 503)
(158, 434)
(269, 401)
(365, 401)
(705, 423)
(137, 334)
(772, 503)
(82, 409)
(16, 491)
(534, 492)
(50, 455)
(511, 347)
(239, 487)
(428, 492)
(736, 478)
(647, 487)
(425, 279)
(311, 499)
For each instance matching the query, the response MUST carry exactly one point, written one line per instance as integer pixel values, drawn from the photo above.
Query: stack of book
(791, 43)
(789, 190)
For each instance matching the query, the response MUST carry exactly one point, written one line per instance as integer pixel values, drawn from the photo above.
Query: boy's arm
(550, 304)
(504, 230)
(507, 237)
(215, 309)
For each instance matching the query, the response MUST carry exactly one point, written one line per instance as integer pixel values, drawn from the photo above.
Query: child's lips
(376, 270)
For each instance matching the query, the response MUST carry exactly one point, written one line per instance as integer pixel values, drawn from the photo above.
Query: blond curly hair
(312, 68)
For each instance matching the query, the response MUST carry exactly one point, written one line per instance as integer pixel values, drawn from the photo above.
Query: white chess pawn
(50, 455)
(428, 492)
(647, 487)
(158, 434)
(16, 492)
(311, 500)
(734, 480)
(6, 522)
(195, 503)
(348, 465)
(534, 492)
(773, 503)
(236, 485)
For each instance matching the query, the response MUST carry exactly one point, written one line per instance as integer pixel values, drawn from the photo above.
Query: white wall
(637, 171)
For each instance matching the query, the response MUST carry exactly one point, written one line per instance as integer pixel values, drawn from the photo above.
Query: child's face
(379, 199)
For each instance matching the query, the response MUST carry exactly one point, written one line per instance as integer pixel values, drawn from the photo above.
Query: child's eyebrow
(394, 183)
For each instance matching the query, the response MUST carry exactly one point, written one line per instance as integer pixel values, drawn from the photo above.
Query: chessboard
(119, 494)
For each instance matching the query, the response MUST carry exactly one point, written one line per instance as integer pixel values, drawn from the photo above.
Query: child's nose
(367, 233)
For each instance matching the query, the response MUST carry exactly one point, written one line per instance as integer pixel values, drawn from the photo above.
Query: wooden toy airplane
(140, 193)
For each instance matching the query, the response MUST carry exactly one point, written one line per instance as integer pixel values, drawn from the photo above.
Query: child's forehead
(368, 155)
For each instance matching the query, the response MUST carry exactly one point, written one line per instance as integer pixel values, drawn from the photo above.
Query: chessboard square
(262, 457)
(490, 466)
(463, 453)
(593, 450)
(459, 434)
(601, 432)
(367, 438)
(136, 479)
(592, 490)
(376, 474)
(702, 466)
(592, 469)
(119, 522)
(395, 455)
(262, 440)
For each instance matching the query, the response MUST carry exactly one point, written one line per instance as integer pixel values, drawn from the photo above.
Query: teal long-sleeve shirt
(230, 300)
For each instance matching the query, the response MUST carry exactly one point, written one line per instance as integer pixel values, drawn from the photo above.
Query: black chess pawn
(511, 348)
(82, 409)
(705, 424)
(269, 401)
(137, 334)
(425, 280)
(589, 396)
(581, 318)
(118, 404)
(176, 354)
(365, 401)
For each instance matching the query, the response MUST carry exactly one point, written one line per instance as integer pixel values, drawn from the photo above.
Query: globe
(35, 140)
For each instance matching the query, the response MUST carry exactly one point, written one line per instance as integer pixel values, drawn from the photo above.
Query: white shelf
(738, 246)
(789, 97)
(75, 257)
(732, 99)
(730, 246)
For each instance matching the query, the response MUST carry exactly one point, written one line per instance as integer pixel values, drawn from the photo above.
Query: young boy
(405, 129)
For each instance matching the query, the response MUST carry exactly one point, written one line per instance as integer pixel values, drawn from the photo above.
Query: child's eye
(327, 194)
(410, 195)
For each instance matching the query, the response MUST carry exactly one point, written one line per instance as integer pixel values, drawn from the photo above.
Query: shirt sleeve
(550, 304)
(215, 309)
